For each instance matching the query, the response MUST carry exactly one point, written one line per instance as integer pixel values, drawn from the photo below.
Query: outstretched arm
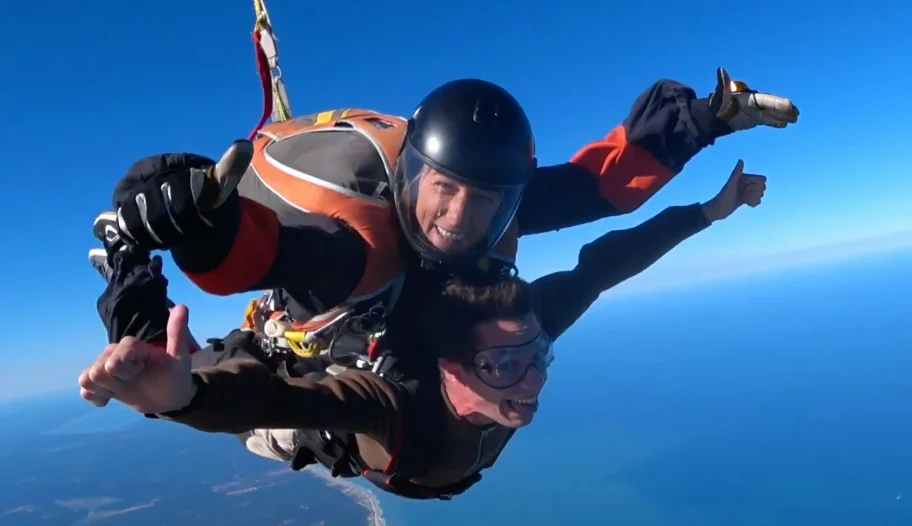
(621, 254)
(666, 127)
(615, 175)
(610, 260)
(248, 238)
(253, 246)
(239, 395)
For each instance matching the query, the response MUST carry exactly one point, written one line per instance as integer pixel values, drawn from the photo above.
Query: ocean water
(782, 399)
(779, 399)
(63, 462)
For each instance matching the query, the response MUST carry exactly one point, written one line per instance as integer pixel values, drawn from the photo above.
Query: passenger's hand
(740, 189)
(146, 378)
(742, 108)
(163, 199)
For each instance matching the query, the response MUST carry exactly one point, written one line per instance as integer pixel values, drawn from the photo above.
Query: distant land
(65, 462)
(362, 496)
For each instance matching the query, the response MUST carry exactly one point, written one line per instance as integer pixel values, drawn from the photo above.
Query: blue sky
(88, 88)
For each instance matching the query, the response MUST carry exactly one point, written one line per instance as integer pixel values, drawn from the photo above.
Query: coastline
(364, 497)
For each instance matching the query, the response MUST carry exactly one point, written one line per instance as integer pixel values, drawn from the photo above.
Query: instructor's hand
(740, 189)
(164, 199)
(742, 107)
(144, 377)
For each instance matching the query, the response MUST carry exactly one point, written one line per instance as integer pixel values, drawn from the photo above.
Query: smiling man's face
(508, 372)
(452, 215)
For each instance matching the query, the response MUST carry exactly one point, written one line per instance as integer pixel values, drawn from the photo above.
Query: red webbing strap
(266, 80)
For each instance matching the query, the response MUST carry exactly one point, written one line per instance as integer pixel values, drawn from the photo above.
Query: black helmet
(467, 157)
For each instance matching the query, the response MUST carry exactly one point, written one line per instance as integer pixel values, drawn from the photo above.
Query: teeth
(448, 233)
(526, 401)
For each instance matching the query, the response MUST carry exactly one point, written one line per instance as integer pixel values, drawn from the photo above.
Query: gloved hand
(743, 108)
(135, 302)
(163, 199)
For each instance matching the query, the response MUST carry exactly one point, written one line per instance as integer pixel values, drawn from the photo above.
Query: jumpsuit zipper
(484, 435)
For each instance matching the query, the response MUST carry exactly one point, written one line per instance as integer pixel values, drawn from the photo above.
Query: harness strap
(400, 485)
(349, 333)
(423, 445)
(263, 70)
(338, 455)
(422, 442)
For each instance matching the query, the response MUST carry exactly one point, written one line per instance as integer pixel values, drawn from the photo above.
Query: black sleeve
(609, 261)
(253, 248)
(614, 175)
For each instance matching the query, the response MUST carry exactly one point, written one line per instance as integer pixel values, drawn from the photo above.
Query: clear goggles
(504, 367)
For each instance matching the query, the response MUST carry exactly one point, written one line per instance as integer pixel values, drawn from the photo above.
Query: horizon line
(702, 271)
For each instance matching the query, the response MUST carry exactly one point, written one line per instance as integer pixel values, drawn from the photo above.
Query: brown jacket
(239, 394)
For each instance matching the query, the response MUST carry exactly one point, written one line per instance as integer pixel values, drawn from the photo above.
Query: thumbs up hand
(740, 189)
(146, 378)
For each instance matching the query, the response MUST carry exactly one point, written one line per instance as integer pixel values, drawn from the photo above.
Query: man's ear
(451, 371)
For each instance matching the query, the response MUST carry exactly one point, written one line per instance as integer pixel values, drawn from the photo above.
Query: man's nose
(455, 209)
(534, 380)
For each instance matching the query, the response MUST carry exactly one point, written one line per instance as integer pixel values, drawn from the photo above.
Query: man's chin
(516, 423)
(442, 243)
(513, 418)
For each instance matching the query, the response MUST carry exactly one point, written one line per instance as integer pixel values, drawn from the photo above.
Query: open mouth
(449, 234)
(523, 405)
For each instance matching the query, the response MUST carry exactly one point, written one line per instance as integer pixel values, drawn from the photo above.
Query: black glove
(135, 302)
(163, 200)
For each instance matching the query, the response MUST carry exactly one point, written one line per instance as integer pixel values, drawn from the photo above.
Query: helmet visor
(448, 216)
